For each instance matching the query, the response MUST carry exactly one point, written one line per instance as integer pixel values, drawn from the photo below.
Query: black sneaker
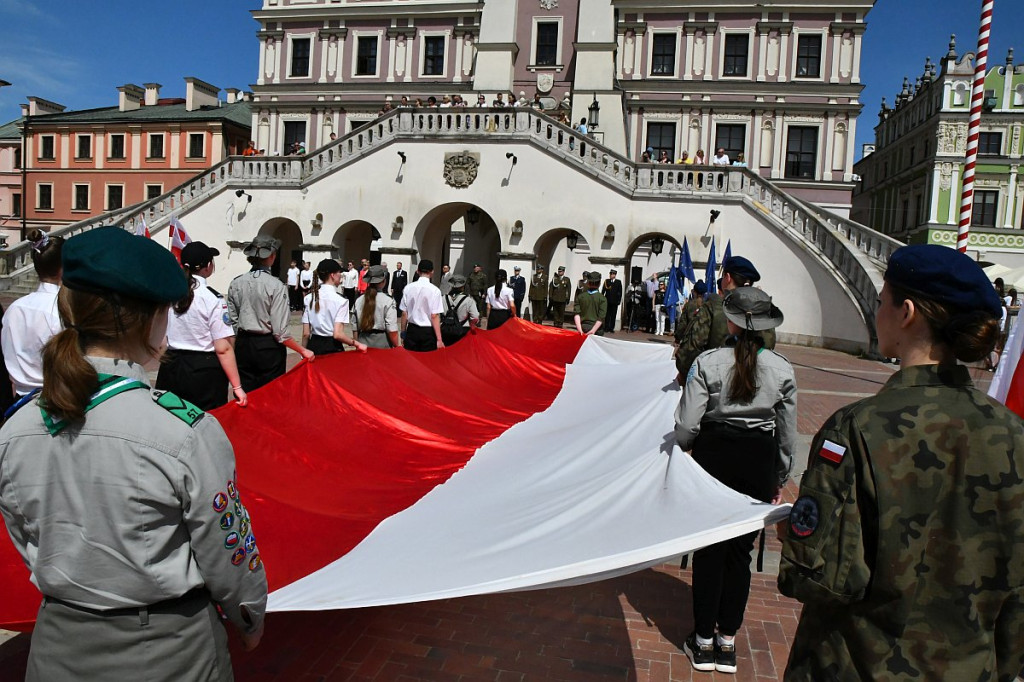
(702, 656)
(725, 657)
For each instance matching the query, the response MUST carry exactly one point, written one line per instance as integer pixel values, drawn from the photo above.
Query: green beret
(112, 260)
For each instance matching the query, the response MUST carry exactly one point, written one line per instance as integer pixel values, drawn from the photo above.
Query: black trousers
(498, 318)
(260, 358)
(324, 345)
(194, 376)
(609, 318)
(744, 460)
(419, 338)
(295, 297)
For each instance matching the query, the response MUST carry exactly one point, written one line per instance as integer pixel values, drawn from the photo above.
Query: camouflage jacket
(477, 283)
(906, 544)
(704, 327)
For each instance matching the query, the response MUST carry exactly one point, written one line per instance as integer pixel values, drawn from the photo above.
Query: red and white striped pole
(974, 126)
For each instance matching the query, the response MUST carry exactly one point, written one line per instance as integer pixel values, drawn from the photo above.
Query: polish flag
(1008, 383)
(179, 237)
(520, 458)
(141, 228)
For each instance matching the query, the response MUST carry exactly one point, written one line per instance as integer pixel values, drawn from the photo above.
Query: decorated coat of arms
(460, 168)
(545, 81)
(549, 4)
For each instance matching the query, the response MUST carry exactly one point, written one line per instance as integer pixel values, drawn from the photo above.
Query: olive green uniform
(477, 284)
(704, 329)
(538, 297)
(906, 544)
(558, 294)
(591, 306)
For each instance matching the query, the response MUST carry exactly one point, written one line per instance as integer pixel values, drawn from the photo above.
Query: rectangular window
(808, 57)
(737, 49)
(433, 56)
(156, 145)
(663, 54)
(153, 191)
(547, 43)
(115, 197)
(116, 147)
(84, 149)
(356, 124)
(300, 58)
(732, 138)
(294, 131)
(662, 136)
(46, 147)
(366, 56)
(81, 198)
(16, 205)
(44, 197)
(985, 204)
(196, 145)
(990, 143)
(801, 152)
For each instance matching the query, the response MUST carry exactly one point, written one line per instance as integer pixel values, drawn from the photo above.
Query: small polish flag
(832, 452)
(179, 237)
(141, 228)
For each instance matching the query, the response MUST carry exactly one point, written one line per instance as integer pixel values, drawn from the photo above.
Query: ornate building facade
(780, 86)
(910, 184)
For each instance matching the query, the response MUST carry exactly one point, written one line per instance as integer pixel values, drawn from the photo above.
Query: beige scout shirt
(258, 303)
(132, 507)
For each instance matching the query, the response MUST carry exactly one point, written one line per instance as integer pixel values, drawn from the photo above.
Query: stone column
(934, 194)
(1011, 195)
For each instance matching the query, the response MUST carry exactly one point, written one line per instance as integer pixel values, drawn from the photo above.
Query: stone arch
(640, 259)
(353, 241)
(552, 251)
(287, 230)
(459, 234)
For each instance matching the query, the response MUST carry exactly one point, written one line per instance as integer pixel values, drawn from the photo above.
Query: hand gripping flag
(710, 276)
(179, 237)
(686, 265)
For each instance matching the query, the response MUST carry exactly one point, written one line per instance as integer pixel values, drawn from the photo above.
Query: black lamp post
(473, 215)
(657, 245)
(572, 240)
(594, 113)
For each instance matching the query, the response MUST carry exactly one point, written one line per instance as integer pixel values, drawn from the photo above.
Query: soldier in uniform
(478, 286)
(258, 310)
(538, 295)
(558, 294)
(123, 501)
(591, 307)
(518, 284)
(906, 543)
(709, 329)
(612, 291)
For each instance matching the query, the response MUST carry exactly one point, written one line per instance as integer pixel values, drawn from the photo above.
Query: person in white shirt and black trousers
(500, 302)
(200, 365)
(421, 311)
(326, 313)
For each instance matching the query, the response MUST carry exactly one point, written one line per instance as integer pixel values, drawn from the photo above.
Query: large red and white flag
(179, 237)
(1008, 383)
(520, 458)
(141, 228)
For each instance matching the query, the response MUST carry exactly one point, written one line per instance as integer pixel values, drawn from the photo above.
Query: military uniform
(612, 290)
(906, 544)
(558, 294)
(258, 310)
(591, 306)
(705, 329)
(477, 285)
(98, 558)
(538, 297)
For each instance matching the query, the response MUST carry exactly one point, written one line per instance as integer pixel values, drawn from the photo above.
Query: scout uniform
(466, 312)
(385, 313)
(190, 368)
(538, 296)
(558, 294)
(478, 287)
(906, 543)
(591, 306)
(129, 589)
(258, 310)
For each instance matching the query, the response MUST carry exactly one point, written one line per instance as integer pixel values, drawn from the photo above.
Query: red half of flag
(179, 237)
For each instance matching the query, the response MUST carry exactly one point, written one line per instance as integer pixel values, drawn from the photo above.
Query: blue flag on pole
(710, 278)
(686, 264)
(728, 252)
(671, 294)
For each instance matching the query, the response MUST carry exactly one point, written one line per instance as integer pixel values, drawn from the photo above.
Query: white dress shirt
(502, 301)
(333, 310)
(350, 279)
(293, 277)
(205, 321)
(420, 300)
(28, 325)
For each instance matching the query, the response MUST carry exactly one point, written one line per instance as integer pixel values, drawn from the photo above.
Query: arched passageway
(459, 235)
(290, 235)
(355, 240)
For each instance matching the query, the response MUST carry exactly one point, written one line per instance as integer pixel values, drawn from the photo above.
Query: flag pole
(974, 126)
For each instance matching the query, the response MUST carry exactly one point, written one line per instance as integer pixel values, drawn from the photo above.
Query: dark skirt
(324, 345)
(498, 317)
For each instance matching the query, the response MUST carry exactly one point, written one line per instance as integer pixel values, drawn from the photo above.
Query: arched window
(960, 95)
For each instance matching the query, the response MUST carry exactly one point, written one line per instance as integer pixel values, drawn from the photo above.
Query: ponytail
(315, 295)
(369, 308)
(743, 387)
(46, 254)
(182, 306)
(68, 378)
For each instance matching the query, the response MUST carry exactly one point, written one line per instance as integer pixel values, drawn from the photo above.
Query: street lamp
(657, 245)
(572, 240)
(595, 112)
(473, 215)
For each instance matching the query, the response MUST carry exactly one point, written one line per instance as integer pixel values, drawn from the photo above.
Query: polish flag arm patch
(833, 452)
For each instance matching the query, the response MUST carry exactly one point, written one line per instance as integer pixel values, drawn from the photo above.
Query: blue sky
(77, 53)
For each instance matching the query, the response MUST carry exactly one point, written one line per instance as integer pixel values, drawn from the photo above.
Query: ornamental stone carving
(545, 81)
(947, 138)
(732, 117)
(548, 4)
(460, 168)
(945, 176)
(1015, 144)
(805, 119)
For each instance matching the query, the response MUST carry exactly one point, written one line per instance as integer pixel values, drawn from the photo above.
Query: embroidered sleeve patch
(182, 409)
(833, 452)
(803, 517)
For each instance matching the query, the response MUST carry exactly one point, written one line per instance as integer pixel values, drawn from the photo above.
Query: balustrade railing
(854, 252)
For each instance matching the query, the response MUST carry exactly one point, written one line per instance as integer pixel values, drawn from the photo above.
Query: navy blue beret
(738, 265)
(700, 287)
(943, 275)
(112, 260)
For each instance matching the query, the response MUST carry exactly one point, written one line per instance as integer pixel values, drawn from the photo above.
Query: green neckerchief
(110, 385)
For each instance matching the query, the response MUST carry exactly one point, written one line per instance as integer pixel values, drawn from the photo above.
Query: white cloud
(39, 71)
(24, 8)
